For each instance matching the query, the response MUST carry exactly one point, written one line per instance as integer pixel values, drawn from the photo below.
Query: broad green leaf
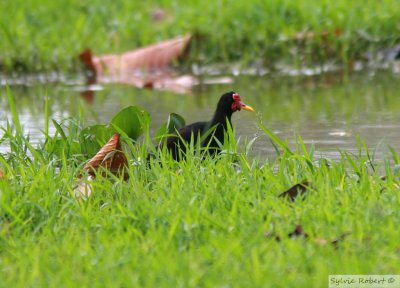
(174, 122)
(61, 147)
(94, 137)
(161, 132)
(131, 120)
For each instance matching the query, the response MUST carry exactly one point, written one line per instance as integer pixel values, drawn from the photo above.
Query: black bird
(229, 103)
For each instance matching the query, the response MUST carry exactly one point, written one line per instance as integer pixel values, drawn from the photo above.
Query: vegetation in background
(48, 35)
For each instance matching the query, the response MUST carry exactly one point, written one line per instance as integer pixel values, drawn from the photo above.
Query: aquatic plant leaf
(296, 190)
(174, 122)
(132, 121)
(92, 138)
(62, 146)
(109, 157)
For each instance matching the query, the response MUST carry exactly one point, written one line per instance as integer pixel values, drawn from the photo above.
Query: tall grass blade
(13, 110)
(395, 155)
(275, 139)
(59, 130)
(46, 114)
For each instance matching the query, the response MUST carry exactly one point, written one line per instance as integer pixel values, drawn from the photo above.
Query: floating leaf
(132, 120)
(296, 190)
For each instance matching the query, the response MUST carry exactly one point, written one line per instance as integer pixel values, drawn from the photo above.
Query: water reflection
(327, 111)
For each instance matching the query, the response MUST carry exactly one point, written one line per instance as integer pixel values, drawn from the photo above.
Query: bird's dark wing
(183, 136)
(193, 129)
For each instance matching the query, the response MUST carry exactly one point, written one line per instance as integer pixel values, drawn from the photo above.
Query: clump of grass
(36, 39)
(201, 222)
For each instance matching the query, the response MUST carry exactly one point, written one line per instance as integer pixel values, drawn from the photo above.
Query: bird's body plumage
(227, 105)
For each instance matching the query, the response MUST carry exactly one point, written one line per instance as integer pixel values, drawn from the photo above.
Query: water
(329, 111)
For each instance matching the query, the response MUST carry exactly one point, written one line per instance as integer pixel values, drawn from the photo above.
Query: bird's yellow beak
(246, 107)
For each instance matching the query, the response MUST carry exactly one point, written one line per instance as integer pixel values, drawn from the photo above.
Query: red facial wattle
(237, 104)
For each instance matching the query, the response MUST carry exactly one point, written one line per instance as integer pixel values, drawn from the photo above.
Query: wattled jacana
(229, 103)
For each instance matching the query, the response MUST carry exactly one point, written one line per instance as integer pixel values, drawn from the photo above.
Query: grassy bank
(211, 223)
(47, 35)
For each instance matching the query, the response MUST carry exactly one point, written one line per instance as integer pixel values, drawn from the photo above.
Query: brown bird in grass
(212, 131)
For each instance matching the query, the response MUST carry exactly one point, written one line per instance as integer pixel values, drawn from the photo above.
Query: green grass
(48, 35)
(196, 223)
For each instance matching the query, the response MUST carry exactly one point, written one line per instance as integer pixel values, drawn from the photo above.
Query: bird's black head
(230, 102)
